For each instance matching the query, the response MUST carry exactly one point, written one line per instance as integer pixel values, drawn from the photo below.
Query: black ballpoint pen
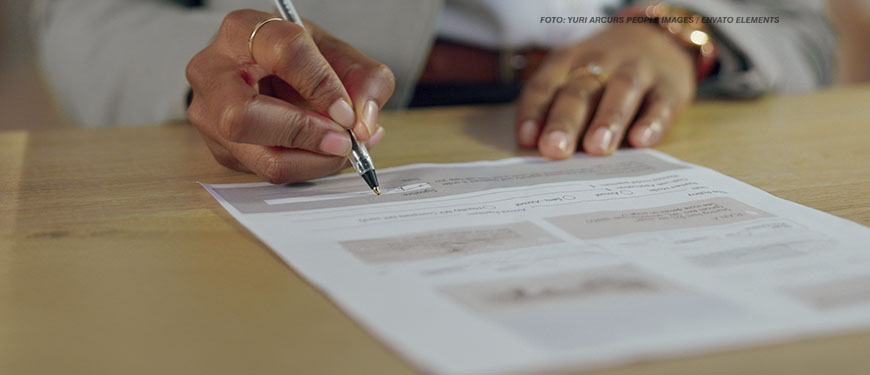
(359, 155)
(362, 162)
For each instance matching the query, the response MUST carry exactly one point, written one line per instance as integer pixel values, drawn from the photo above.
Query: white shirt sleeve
(516, 24)
(113, 62)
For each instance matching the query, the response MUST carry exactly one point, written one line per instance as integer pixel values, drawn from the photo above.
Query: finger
(282, 166)
(537, 96)
(244, 116)
(619, 104)
(656, 117)
(268, 121)
(247, 117)
(281, 90)
(221, 154)
(286, 50)
(369, 83)
(376, 138)
(568, 116)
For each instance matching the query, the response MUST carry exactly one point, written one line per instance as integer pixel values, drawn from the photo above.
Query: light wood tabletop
(114, 261)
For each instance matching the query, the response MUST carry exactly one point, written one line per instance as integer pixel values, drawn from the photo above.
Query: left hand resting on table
(628, 81)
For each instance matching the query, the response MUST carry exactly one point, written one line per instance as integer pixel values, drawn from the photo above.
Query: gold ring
(591, 69)
(254, 33)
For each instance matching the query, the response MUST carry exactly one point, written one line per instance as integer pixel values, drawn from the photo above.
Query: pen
(359, 155)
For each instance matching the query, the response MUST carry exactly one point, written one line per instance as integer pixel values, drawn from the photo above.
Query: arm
(280, 107)
(116, 62)
(593, 96)
(796, 54)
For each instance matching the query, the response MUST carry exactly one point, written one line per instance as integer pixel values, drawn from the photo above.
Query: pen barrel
(288, 11)
(359, 156)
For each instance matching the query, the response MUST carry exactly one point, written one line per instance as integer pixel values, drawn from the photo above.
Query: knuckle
(632, 65)
(384, 74)
(625, 80)
(299, 133)
(232, 24)
(232, 123)
(611, 118)
(289, 46)
(325, 87)
(354, 70)
(193, 70)
(561, 122)
(539, 86)
(562, 55)
(190, 71)
(318, 82)
(197, 73)
(194, 113)
(288, 52)
(225, 160)
(234, 18)
(577, 91)
(221, 154)
(314, 74)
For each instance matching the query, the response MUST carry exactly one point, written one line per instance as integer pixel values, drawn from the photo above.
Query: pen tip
(377, 190)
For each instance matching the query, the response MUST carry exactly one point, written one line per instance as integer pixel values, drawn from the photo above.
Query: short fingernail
(559, 139)
(649, 133)
(528, 132)
(361, 131)
(335, 144)
(646, 136)
(342, 113)
(603, 139)
(370, 116)
(376, 137)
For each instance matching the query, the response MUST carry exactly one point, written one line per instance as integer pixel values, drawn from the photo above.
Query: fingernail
(559, 139)
(362, 131)
(370, 116)
(649, 133)
(335, 144)
(342, 113)
(376, 137)
(646, 136)
(528, 132)
(603, 138)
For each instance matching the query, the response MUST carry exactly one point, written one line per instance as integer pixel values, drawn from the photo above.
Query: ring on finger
(254, 33)
(592, 69)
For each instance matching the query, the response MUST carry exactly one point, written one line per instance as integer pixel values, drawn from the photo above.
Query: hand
(646, 79)
(283, 112)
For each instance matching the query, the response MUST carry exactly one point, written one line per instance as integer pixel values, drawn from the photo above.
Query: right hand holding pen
(283, 112)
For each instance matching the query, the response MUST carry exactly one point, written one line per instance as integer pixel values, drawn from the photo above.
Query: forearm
(116, 62)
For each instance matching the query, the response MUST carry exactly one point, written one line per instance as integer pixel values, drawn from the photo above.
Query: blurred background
(26, 102)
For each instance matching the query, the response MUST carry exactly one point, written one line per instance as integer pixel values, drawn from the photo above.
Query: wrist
(683, 27)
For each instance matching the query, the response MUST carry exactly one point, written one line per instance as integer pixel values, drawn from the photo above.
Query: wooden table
(114, 261)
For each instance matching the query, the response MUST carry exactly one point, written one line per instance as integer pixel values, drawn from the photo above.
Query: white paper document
(523, 264)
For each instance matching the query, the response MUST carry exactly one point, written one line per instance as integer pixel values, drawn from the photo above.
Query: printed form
(526, 265)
